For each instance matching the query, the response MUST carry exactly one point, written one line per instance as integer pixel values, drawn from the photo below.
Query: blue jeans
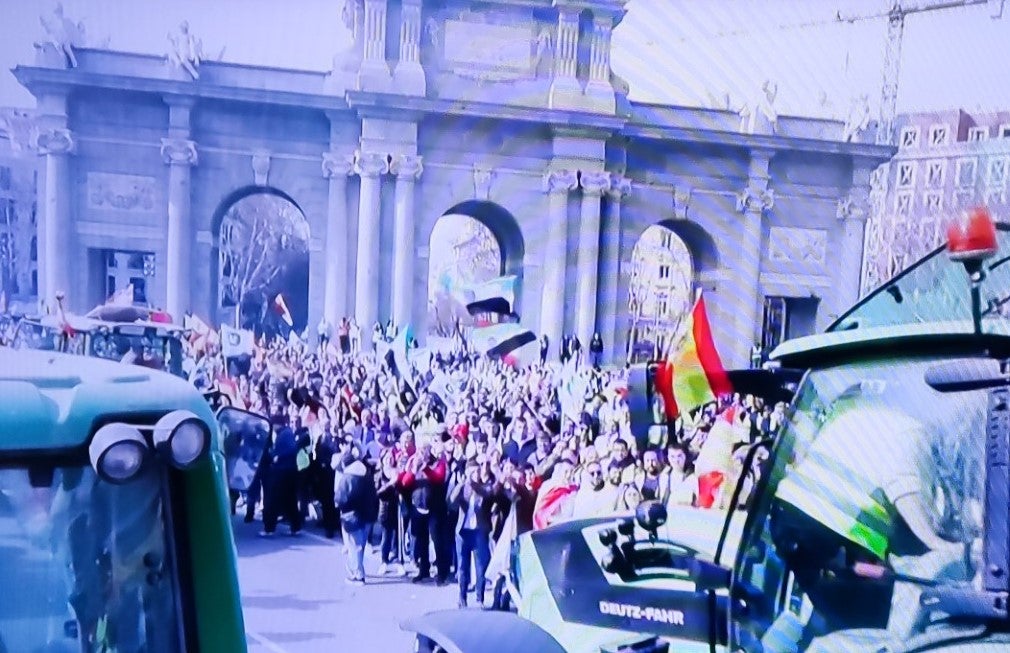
(355, 541)
(476, 543)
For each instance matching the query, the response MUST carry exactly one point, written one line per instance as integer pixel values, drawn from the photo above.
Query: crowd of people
(444, 464)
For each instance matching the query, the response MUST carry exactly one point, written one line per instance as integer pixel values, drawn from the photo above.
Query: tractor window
(873, 471)
(934, 290)
(87, 564)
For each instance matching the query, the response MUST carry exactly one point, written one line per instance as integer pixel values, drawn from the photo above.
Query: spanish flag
(281, 308)
(693, 375)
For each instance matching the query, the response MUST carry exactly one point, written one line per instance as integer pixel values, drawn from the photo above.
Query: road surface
(295, 599)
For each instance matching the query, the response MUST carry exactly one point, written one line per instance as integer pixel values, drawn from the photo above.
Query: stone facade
(947, 161)
(511, 115)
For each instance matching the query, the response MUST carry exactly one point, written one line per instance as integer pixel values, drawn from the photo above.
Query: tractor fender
(478, 631)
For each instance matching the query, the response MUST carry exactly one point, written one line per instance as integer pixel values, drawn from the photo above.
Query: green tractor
(114, 516)
(879, 523)
(127, 337)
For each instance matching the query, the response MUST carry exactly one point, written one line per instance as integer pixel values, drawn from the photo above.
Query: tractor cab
(882, 521)
(155, 345)
(114, 511)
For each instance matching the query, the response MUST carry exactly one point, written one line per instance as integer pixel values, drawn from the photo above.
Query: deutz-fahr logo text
(659, 615)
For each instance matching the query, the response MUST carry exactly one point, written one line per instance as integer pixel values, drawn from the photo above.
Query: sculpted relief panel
(488, 51)
(109, 191)
(797, 246)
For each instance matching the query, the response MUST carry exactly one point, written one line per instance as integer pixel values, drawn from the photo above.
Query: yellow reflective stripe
(848, 511)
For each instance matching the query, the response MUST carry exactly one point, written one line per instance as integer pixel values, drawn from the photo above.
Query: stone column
(375, 31)
(852, 214)
(558, 183)
(336, 168)
(593, 186)
(180, 155)
(746, 300)
(409, 73)
(407, 168)
(56, 256)
(599, 50)
(565, 88)
(369, 166)
(610, 267)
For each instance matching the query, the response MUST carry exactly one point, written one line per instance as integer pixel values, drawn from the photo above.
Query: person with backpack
(355, 496)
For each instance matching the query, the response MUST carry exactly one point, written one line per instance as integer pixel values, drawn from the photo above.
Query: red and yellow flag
(693, 375)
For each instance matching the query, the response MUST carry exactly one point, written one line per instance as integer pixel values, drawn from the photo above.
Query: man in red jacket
(423, 484)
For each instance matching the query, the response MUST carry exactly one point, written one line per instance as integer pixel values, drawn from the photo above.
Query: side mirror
(245, 436)
(966, 374)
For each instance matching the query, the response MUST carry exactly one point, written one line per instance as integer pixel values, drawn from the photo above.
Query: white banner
(236, 342)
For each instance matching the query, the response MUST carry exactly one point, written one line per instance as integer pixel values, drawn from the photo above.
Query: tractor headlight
(183, 437)
(118, 452)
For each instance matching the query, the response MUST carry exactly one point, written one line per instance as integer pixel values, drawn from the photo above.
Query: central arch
(471, 242)
(667, 261)
(262, 249)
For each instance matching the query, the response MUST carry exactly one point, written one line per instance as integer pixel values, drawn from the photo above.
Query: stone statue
(347, 15)
(63, 34)
(543, 52)
(761, 107)
(433, 31)
(21, 130)
(187, 50)
(858, 119)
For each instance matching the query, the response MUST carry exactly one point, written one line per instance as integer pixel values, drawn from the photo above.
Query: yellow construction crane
(892, 52)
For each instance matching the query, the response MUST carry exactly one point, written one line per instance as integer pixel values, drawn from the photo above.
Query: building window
(903, 204)
(1004, 130)
(664, 272)
(7, 211)
(909, 137)
(663, 306)
(964, 198)
(5, 178)
(666, 239)
(906, 174)
(934, 201)
(997, 172)
(878, 177)
(938, 135)
(34, 249)
(934, 174)
(966, 169)
(994, 196)
(35, 282)
(977, 134)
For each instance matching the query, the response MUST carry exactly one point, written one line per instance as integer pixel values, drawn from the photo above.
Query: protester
(447, 462)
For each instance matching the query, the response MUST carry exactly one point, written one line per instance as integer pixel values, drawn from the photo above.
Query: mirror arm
(735, 499)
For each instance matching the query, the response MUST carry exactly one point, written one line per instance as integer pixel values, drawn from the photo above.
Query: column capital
(56, 141)
(337, 164)
(755, 200)
(370, 164)
(560, 181)
(406, 166)
(619, 186)
(594, 182)
(179, 151)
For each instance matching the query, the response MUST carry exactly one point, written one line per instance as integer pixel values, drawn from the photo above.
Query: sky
(684, 52)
